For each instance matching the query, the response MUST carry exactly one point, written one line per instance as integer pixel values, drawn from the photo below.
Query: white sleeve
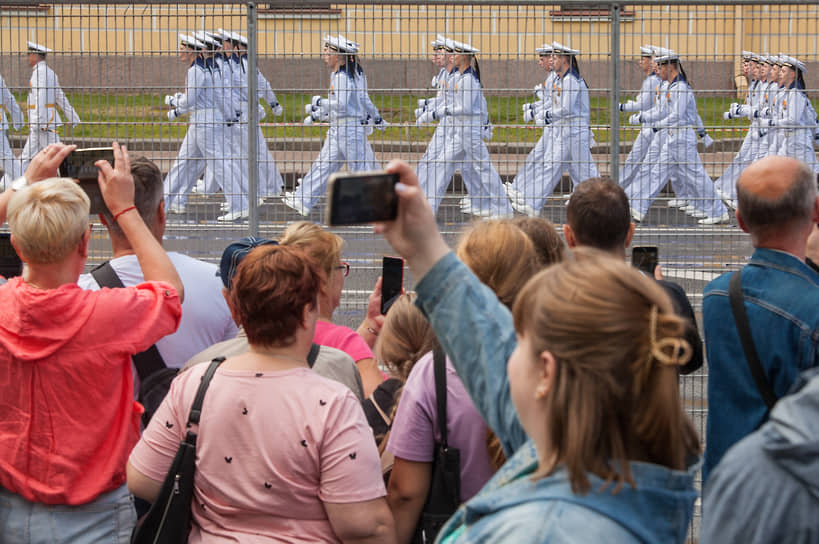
(678, 98)
(266, 91)
(366, 103)
(10, 103)
(194, 81)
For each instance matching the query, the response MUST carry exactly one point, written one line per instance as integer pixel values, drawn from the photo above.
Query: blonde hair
(405, 337)
(501, 255)
(319, 244)
(48, 219)
(618, 345)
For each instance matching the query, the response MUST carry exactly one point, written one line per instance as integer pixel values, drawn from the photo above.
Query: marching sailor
(347, 108)
(44, 98)
(12, 166)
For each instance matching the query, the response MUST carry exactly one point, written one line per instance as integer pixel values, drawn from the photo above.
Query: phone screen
(646, 258)
(362, 197)
(392, 280)
(10, 263)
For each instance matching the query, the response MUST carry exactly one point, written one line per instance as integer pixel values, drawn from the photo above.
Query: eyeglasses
(345, 267)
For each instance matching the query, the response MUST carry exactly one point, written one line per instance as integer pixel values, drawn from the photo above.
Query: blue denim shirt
(782, 303)
(477, 332)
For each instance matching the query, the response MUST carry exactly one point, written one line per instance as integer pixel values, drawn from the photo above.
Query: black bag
(155, 376)
(168, 520)
(444, 495)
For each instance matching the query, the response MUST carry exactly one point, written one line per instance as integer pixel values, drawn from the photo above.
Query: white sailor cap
(792, 62)
(661, 52)
(561, 49)
(206, 39)
(215, 36)
(190, 41)
(668, 57)
(37, 48)
(545, 49)
(462, 47)
(747, 55)
(341, 44)
(776, 60)
(232, 36)
(767, 59)
(438, 42)
(646, 50)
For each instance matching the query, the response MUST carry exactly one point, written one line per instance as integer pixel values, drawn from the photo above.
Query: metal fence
(117, 61)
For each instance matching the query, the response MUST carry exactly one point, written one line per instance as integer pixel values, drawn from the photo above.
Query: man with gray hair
(778, 207)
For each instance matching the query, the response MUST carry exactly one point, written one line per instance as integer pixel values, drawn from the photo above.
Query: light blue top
(477, 332)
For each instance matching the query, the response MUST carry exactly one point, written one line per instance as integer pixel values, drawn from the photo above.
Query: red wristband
(122, 212)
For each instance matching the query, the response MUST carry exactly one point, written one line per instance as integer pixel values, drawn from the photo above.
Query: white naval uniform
(204, 143)
(12, 166)
(766, 104)
(529, 176)
(639, 189)
(795, 124)
(726, 184)
(570, 115)
(678, 156)
(270, 179)
(346, 140)
(44, 98)
(645, 100)
(461, 114)
(430, 166)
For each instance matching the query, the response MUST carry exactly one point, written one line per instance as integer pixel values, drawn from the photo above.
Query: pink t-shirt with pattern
(272, 447)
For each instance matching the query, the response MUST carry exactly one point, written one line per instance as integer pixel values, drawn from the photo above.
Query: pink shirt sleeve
(412, 436)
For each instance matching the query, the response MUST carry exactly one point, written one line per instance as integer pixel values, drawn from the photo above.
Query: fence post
(614, 138)
(252, 120)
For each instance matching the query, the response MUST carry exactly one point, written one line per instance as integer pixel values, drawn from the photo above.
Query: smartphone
(10, 263)
(361, 197)
(392, 280)
(79, 164)
(646, 258)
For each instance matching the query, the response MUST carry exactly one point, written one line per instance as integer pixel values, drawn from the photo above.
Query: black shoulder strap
(313, 354)
(439, 360)
(150, 360)
(744, 330)
(196, 408)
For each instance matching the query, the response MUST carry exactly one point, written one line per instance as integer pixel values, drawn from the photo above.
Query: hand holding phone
(361, 197)
(646, 258)
(392, 280)
(80, 164)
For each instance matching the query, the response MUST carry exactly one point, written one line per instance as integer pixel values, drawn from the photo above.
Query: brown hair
(320, 244)
(598, 214)
(618, 345)
(543, 234)
(501, 255)
(405, 337)
(148, 193)
(272, 287)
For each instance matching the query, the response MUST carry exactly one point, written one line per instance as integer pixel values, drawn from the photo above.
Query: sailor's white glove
(707, 141)
(172, 114)
(308, 120)
(278, 110)
(634, 119)
(425, 118)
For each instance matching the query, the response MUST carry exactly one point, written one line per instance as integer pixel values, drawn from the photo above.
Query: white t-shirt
(206, 318)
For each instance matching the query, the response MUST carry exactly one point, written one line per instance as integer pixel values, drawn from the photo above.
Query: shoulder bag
(168, 520)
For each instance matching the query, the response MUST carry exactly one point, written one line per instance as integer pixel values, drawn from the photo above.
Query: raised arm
(117, 188)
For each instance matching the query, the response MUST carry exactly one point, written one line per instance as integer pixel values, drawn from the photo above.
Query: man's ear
(568, 234)
(630, 234)
(83, 245)
(17, 249)
(740, 222)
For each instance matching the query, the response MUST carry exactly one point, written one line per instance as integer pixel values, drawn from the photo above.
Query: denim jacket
(782, 303)
(477, 332)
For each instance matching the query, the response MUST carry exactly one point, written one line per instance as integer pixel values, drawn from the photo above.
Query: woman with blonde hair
(587, 403)
(325, 248)
(503, 258)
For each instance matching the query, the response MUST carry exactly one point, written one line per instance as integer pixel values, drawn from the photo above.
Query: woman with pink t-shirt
(325, 248)
(282, 452)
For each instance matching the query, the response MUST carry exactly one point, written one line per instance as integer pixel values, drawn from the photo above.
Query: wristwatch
(19, 183)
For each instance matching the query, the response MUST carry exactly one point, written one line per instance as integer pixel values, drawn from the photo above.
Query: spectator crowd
(527, 391)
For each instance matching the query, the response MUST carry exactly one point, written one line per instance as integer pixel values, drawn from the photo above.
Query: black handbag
(168, 520)
(444, 495)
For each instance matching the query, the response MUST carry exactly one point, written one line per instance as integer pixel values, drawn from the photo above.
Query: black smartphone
(646, 258)
(361, 197)
(10, 263)
(392, 280)
(79, 164)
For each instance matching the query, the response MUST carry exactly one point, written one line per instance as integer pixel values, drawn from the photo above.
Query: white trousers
(636, 156)
(726, 185)
(12, 166)
(37, 140)
(345, 143)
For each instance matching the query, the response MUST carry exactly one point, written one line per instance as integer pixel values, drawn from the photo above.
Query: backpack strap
(150, 360)
(439, 361)
(313, 354)
(744, 329)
